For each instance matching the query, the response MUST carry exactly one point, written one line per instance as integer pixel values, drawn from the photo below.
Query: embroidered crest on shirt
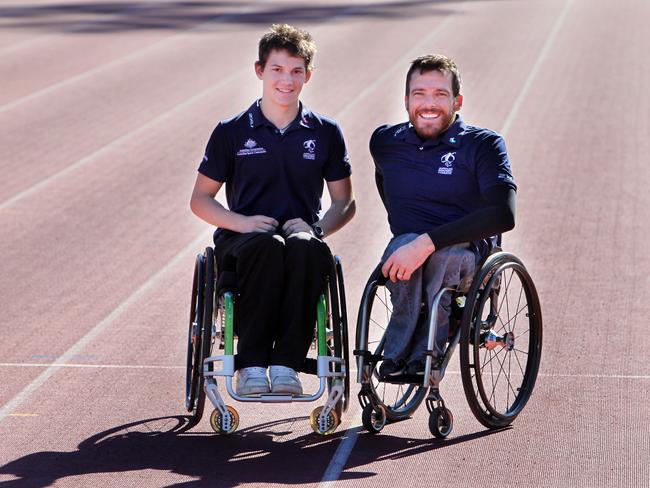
(310, 147)
(447, 160)
(250, 147)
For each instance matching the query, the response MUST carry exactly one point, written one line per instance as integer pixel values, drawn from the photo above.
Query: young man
(273, 159)
(445, 184)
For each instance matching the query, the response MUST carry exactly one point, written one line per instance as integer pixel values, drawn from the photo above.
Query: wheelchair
(496, 320)
(212, 324)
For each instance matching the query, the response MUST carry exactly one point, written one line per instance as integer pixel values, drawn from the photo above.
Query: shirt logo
(448, 160)
(310, 147)
(250, 119)
(250, 147)
(398, 131)
(452, 140)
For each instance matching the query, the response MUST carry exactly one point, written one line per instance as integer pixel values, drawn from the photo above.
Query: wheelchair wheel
(441, 422)
(199, 342)
(372, 419)
(339, 344)
(398, 401)
(501, 340)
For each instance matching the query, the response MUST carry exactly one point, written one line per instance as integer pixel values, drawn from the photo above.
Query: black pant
(279, 281)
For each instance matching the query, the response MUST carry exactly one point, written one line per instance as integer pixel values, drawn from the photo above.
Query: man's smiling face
(283, 77)
(430, 103)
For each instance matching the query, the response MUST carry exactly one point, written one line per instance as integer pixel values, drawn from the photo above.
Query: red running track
(105, 109)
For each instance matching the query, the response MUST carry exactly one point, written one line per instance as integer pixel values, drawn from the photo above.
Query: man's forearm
(339, 214)
(211, 211)
(497, 217)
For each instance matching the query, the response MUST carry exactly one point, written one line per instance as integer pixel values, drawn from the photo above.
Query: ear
(258, 70)
(458, 103)
(307, 75)
(406, 102)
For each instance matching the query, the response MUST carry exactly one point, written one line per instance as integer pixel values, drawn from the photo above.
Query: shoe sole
(286, 390)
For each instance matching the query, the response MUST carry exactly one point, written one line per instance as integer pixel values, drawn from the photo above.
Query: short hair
(297, 42)
(435, 62)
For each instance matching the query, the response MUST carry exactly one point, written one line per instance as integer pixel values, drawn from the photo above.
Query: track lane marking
(134, 55)
(146, 126)
(99, 366)
(116, 142)
(352, 370)
(100, 327)
(535, 69)
(337, 464)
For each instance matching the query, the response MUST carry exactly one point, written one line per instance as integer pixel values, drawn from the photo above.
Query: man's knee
(263, 243)
(304, 246)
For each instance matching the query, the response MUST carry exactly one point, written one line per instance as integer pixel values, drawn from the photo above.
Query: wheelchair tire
(193, 366)
(398, 401)
(200, 346)
(501, 340)
(340, 328)
(441, 422)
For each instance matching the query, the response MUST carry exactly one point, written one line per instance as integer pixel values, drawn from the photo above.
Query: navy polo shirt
(428, 183)
(276, 173)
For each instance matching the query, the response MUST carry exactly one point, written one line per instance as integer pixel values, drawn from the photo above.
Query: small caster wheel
(324, 426)
(372, 419)
(225, 425)
(441, 421)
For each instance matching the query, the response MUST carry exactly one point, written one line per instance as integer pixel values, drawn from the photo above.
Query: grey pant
(408, 330)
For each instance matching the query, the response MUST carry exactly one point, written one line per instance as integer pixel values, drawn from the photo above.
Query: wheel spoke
(519, 363)
(505, 294)
(523, 333)
(377, 324)
(514, 317)
(397, 395)
(514, 324)
(494, 383)
(492, 357)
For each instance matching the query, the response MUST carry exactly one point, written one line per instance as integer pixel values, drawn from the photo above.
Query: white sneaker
(284, 380)
(252, 381)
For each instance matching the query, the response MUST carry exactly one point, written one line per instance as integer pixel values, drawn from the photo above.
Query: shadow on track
(265, 453)
(118, 17)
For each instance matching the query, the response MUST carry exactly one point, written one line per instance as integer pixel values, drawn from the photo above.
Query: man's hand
(406, 259)
(294, 226)
(256, 223)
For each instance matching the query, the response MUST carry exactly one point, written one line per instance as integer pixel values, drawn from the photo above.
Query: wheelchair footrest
(368, 356)
(404, 379)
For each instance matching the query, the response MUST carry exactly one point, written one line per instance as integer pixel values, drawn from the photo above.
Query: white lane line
(124, 59)
(580, 375)
(533, 72)
(340, 458)
(352, 371)
(125, 137)
(99, 328)
(100, 366)
(129, 135)
(337, 464)
(399, 65)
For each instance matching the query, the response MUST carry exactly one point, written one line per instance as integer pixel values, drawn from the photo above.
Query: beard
(429, 129)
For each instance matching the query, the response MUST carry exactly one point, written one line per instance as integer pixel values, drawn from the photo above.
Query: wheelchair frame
(475, 334)
(331, 364)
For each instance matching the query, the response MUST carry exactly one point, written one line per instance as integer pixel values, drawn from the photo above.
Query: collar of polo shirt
(257, 119)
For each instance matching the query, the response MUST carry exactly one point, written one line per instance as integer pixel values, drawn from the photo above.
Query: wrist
(425, 243)
(317, 230)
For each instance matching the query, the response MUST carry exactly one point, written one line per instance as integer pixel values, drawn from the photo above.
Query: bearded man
(449, 191)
